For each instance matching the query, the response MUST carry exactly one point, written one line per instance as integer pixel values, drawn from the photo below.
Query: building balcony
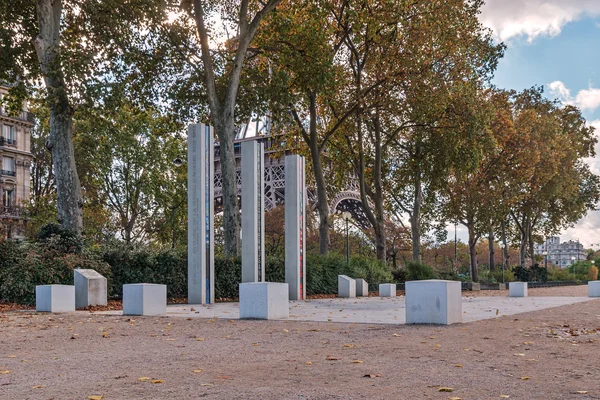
(9, 173)
(24, 116)
(5, 141)
(10, 212)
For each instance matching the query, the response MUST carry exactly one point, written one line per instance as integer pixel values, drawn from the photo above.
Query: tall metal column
(296, 201)
(253, 212)
(201, 253)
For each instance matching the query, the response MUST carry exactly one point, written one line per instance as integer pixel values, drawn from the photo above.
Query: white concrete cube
(594, 288)
(55, 298)
(144, 299)
(517, 289)
(362, 288)
(346, 287)
(387, 289)
(433, 302)
(90, 288)
(264, 300)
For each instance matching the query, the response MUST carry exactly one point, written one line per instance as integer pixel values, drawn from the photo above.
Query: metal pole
(347, 244)
(173, 226)
(503, 262)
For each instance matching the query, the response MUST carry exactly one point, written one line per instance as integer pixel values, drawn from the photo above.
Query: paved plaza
(377, 310)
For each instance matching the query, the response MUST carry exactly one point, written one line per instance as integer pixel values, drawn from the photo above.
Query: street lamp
(502, 251)
(346, 215)
(545, 253)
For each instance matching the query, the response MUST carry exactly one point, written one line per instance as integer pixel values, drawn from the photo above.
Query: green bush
(417, 271)
(508, 275)
(559, 274)
(41, 264)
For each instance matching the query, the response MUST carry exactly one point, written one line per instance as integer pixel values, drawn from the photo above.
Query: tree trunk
(68, 189)
(491, 243)
(473, 254)
(415, 226)
(505, 242)
(315, 155)
(231, 213)
(530, 243)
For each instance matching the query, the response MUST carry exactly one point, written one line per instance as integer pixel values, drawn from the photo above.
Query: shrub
(39, 264)
(559, 274)
(593, 274)
(59, 239)
(509, 276)
(417, 271)
(522, 274)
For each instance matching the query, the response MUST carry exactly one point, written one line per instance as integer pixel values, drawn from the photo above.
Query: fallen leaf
(454, 398)
(332, 358)
(581, 392)
(104, 334)
(197, 371)
(144, 379)
(349, 345)
(504, 396)
(357, 361)
(95, 397)
(395, 335)
(372, 376)
(4, 372)
(171, 340)
(12, 356)
(445, 389)
(38, 387)
(157, 381)
(308, 363)
(524, 378)
(285, 330)
(458, 366)
(206, 384)
(199, 339)
(520, 354)
(255, 344)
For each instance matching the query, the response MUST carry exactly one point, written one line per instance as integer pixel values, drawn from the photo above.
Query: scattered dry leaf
(332, 358)
(357, 361)
(12, 356)
(372, 376)
(206, 384)
(458, 365)
(524, 378)
(445, 389)
(520, 354)
(308, 363)
(395, 335)
(454, 398)
(38, 387)
(4, 372)
(157, 381)
(285, 330)
(144, 379)
(95, 397)
(349, 345)
(504, 396)
(581, 392)
(197, 371)
(200, 339)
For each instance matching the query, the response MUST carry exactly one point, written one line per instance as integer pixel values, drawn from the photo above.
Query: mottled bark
(60, 143)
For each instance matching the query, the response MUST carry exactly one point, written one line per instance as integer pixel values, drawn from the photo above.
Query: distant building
(561, 254)
(15, 160)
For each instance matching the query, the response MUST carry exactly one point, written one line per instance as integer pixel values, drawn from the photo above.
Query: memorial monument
(295, 226)
(253, 212)
(201, 286)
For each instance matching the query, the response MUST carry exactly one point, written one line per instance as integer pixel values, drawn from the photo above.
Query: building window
(8, 198)
(8, 166)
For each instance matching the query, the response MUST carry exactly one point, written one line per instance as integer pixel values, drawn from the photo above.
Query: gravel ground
(549, 354)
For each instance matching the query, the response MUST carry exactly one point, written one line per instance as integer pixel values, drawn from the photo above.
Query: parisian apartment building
(15, 160)
(560, 254)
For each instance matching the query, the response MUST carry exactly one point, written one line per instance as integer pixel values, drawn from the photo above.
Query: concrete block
(90, 288)
(55, 298)
(144, 299)
(387, 289)
(433, 302)
(517, 289)
(594, 288)
(346, 287)
(362, 288)
(264, 300)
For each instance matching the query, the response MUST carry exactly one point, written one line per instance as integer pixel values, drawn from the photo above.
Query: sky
(554, 43)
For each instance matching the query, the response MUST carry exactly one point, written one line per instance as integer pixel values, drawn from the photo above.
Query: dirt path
(549, 354)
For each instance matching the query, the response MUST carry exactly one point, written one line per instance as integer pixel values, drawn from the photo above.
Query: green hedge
(25, 265)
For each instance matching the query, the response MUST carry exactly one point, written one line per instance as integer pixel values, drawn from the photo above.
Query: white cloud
(534, 18)
(586, 99)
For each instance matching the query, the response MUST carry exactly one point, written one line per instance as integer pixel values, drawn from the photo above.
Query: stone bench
(55, 298)
(362, 288)
(264, 300)
(387, 290)
(90, 288)
(517, 289)
(594, 289)
(346, 287)
(144, 299)
(433, 302)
